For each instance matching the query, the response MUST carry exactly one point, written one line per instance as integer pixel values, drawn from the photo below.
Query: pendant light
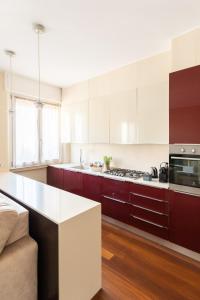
(11, 54)
(39, 29)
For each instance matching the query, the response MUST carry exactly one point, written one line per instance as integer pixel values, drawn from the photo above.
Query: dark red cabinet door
(184, 106)
(114, 199)
(92, 187)
(55, 177)
(185, 220)
(73, 182)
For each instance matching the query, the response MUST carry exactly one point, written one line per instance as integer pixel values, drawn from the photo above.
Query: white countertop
(55, 204)
(153, 183)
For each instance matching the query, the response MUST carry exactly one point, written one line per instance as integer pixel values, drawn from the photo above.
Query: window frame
(12, 110)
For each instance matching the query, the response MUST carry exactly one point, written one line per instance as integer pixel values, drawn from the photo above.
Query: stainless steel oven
(184, 168)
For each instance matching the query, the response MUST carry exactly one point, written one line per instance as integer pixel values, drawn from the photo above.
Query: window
(35, 134)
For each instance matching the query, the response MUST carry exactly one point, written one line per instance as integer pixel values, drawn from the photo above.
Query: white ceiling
(85, 38)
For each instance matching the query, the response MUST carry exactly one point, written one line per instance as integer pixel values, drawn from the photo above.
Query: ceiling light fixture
(39, 29)
(10, 54)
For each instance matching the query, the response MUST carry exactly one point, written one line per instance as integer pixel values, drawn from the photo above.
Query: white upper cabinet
(99, 120)
(75, 122)
(123, 128)
(153, 114)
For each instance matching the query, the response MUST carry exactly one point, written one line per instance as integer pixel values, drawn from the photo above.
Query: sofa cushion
(21, 228)
(8, 220)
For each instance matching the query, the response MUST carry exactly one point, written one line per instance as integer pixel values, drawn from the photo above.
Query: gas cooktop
(125, 173)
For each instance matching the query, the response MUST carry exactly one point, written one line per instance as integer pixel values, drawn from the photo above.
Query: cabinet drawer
(115, 188)
(115, 208)
(150, 215)
(148, 191)
(148, 226)
(152, 203)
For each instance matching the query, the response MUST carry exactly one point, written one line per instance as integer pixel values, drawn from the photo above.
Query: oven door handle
(184, 158)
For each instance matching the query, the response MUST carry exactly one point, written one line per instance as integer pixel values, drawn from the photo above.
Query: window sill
(28, 168)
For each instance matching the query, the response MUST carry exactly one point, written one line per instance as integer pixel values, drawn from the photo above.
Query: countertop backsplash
(140, 157)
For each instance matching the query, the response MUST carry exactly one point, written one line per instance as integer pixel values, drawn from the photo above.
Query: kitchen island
(67, 229)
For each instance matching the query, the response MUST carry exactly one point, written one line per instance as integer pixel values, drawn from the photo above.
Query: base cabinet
(114, 199)
(185, 220)
(55, 177)
(170, 215)
(92, 187)
(73, 182)
(150, 209)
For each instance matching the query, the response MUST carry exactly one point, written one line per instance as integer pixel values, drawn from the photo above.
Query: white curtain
(26, 135)
(50, 132)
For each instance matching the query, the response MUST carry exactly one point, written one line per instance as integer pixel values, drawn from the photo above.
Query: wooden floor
(134, 268)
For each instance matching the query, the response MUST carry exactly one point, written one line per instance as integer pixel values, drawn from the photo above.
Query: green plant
(107, 160)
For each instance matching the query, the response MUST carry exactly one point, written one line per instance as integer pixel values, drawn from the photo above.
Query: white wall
(26, 87)
(140, 157)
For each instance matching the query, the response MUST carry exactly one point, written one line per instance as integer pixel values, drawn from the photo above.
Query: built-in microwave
(184, 168)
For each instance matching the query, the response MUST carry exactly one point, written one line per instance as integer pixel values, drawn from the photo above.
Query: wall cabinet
(123, 118)
(184, 220)
(184, 101)
(153, 114)
(99, 120)
(74, 122)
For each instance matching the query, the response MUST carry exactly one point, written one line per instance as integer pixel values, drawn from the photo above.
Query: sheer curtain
(26, 135)
(50, 132)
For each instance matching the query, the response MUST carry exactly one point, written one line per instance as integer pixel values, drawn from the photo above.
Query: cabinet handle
(150, 210)
(149, 222)
(151, 198)
(114, 199)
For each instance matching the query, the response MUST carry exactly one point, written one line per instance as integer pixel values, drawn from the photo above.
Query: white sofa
(18, 253)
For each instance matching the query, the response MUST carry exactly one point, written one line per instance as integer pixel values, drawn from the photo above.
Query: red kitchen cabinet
(185, 220)
(73, 182)
(114, 199)
(92, 187)
(149, 209)
(184, 106)
(55, 177)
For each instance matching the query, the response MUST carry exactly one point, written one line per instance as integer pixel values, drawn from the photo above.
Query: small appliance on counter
(163, 172)
(147, 177)
(154, 172)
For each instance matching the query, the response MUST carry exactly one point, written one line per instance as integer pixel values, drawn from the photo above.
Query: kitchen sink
(80, 167)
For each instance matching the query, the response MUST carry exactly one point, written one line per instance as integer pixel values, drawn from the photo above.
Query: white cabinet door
(99, 120)
(75, 122)
(66, 123)
(153, 114)
(123, 128)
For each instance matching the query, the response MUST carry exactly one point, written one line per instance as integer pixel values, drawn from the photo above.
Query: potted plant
(107, 160)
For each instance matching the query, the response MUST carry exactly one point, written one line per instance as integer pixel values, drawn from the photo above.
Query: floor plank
(137, 269)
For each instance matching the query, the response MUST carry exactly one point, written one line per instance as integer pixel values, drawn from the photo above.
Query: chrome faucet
(81, 157)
